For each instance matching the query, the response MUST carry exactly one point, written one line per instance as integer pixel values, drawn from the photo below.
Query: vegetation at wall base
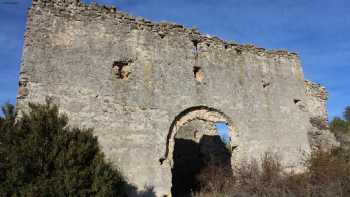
(40, 155)
(341, 129)
(327, 174)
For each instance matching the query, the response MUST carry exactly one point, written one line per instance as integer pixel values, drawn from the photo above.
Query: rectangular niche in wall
(122, 69)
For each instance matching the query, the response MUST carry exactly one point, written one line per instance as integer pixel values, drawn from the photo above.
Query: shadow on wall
(191, 157)
(132, 191)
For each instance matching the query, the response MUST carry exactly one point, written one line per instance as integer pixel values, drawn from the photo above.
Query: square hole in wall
(198, 73)
(121, 69)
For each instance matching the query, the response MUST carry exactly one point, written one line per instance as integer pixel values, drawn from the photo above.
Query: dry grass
(327, 175)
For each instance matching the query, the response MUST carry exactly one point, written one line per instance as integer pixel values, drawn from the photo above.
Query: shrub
(327, 174)
(40, 155)
(341, 129)
(347, 113)
(340, 126)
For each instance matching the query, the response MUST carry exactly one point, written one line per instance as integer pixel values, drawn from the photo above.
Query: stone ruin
(154, 91)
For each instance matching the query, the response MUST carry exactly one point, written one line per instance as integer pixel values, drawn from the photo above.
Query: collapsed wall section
(320, 136)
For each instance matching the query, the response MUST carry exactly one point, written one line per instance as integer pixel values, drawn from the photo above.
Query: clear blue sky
(319, 30)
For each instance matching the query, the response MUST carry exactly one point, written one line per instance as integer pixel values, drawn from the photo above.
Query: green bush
(347, 113)
(341, 129)
(40, 155)
(340, 126)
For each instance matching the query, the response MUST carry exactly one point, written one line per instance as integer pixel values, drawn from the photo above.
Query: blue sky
(318, 30)
(223, 131)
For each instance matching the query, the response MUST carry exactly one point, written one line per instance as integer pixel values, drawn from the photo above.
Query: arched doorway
(194, 143)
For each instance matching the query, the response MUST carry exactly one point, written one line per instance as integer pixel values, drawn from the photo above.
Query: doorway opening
(200, 138)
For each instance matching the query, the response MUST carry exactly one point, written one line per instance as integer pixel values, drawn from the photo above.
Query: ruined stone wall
(130, 79)
(320, 136)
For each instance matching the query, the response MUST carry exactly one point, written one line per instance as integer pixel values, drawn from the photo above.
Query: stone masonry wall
(129, 79)
(320, 136)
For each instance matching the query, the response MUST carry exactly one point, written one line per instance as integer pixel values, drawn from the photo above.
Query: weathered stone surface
(319, 135)
(134, 82)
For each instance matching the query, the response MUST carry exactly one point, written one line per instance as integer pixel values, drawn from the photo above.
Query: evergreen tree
(347, 113)
(339, 126)
(40, 155)
(341, 129)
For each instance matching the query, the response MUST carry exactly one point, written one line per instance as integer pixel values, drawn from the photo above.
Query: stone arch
(198, 113)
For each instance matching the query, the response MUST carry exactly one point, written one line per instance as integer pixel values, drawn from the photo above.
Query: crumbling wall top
(316, 90)
(75, 9)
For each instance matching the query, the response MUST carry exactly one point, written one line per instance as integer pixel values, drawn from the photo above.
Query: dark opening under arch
(194, 144)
